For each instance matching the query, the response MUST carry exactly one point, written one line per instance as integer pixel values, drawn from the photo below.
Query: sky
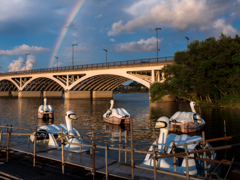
(126, 28)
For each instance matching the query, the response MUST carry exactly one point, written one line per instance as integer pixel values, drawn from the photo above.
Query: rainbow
(64, 30)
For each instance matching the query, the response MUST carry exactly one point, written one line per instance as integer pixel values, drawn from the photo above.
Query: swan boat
(116, 115)
(187, 122)
(45, 111)
(165, 142)
(49, 135)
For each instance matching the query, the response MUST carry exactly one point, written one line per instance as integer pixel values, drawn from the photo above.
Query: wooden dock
(116, 169)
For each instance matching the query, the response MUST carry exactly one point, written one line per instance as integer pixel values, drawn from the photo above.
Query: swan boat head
(69, 117)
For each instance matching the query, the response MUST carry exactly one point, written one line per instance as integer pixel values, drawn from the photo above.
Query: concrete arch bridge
(82, 81)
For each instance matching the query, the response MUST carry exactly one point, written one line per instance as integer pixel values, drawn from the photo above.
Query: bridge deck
(97, 66)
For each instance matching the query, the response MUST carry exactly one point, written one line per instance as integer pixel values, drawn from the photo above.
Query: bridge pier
(102, 94)
(77, 95)
(52, 94)
(14, 93)
(29, 94)
(4, 93)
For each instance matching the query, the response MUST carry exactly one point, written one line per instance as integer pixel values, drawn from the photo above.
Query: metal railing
(130, 150)
(139, 62)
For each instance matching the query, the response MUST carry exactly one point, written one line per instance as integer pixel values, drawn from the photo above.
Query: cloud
(75, 34)
(98, 16)
(141, 7)
(113, 40)
(226, 29)
(148, 45)
(23, 49)
(18, 64)
(180, 14)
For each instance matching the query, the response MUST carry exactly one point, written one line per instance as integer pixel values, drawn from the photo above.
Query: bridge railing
(141, 62)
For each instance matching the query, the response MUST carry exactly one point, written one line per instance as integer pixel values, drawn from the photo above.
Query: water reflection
(23, 113)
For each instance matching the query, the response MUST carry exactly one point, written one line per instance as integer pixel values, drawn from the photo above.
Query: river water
(22, 113)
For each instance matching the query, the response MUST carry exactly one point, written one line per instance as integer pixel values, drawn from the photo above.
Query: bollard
(93, 156)
(186, 160)
(154, 163)
(62, 150)
(204, 153)
(34, 148)
(125, 146)
(106, 160)
(174, 157)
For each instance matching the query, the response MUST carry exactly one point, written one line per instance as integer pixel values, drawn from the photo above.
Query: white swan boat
(187, 122)
(48, 135)
(45, 111)
(165, 145)
(116, 115)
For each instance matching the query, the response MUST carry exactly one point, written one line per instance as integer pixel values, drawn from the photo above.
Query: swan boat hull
(42, 115)
(116, 120)
(186, 128)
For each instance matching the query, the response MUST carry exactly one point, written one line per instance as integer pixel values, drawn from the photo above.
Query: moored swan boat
(45, 111)
(116, 115)
(187, 122)
(49, 135)
(165, 143)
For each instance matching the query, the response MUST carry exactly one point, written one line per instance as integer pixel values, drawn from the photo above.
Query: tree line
(207, 72)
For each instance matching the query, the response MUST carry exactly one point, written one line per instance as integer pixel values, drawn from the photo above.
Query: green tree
(206, 71)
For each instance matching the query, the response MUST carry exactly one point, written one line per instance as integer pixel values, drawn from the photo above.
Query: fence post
(154, 163)
(62, 148)
(106, 160)
(132, 158)
(186, 161)
(7, 145)
(204, 154)
(125, 146)
(120, 140)
(93, 156)
(174, 157)
(10, 134)
(34, 148)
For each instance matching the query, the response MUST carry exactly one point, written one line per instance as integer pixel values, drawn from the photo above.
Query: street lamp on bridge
(187, 39)
(73, 52)
(25, 60)
(106, 55)
(157, 40)
(57, 61)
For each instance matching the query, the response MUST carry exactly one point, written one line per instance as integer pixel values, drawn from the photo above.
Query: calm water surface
(23, 113)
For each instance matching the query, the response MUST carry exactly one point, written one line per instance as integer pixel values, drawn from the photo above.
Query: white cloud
(180, 14)
(113, 40)
(141, 7)
(75, 34)
(18, 64)
(226, 29)
(140, 46)
(23, 49)
(98, 16)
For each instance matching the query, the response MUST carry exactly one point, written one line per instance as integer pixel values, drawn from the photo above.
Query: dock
(83, 160)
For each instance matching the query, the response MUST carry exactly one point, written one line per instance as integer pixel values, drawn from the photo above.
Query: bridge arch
(104, 82)
(8, 85)
(43, 84)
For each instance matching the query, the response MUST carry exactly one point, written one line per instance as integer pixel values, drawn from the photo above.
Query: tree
(206, 71)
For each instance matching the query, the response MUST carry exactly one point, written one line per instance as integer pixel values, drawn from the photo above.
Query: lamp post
(157, 40)
(25, 60)
(73, 52)
(57, 62)
(106, 55)
(1, 69)
(187, 39)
